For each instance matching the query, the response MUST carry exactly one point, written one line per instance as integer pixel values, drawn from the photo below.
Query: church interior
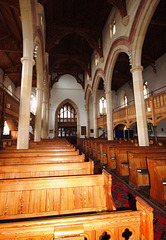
(82, 119)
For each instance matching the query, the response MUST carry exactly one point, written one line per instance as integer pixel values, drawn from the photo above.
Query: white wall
(66, 88)
(158, 79)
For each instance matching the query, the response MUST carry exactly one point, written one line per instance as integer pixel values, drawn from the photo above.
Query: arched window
(146, 90)
(102, 106)
(67, 121)
(10, 90)
(67, 114)
(33, 104)
(112, 29)
(6, 130)
(96, 59)
(125, 100)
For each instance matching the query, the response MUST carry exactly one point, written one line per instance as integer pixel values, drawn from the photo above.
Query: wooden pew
(157, 171)
(95, 151)
(105, 151)
(45, 170)
(78, 227)
(37, 197)
(43, 147)
(122, 164)
(36, 153)
(138, 169)
(24, 159)
(111, 153)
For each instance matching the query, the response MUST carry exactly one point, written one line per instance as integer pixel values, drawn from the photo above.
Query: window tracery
(102, 106)
(146, 90)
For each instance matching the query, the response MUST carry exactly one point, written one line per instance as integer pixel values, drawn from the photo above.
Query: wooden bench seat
(79, 227)
(34, 197)
(45, 170)
(24, 159)
(36, 153)
(43, 148)
(157, 171)
(138, 169)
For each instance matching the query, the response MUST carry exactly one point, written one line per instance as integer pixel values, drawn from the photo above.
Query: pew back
(91, 226)
(10, 160)
(25, 198)
(37, 153)
(46, 170)
(139, 175)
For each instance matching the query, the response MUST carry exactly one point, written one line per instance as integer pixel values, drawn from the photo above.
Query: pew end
(157, 171)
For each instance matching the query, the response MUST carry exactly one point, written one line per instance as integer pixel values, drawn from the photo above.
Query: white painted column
(47, 117)
(140, 106)
(110, 134)
(26, 77)
(44, 107)
(44, 124)
(39, 97)
(87, 120)
(24, 111)
(95, 118)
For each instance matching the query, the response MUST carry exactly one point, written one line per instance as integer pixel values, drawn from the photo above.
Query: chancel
(82, 119)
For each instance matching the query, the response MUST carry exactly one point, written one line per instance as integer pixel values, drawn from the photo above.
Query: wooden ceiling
(73, 32)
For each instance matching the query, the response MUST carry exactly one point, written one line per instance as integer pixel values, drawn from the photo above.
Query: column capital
(39, 89)
(28, 59)
(86, 107)
(108, 92)
(134, 68)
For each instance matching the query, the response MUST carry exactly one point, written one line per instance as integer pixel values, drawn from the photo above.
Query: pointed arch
(77, 111)
(139, 28)
(110, 64)
(96, 80)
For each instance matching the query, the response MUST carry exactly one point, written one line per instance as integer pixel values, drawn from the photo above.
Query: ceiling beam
(11, 33)
(61, 58)
(158, 23)
(120, 5)
(13, 67)
(81, 32)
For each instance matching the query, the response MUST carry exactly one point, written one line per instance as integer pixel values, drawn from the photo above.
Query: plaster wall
(66, 88)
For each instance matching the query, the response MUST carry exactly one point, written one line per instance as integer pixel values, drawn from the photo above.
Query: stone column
(39, 97)
(44, 123)
(24, 112)
(87, 120)
(140, 106)
(110, 134)
(44, 107)
(47, 117)
(95, 118)
(26, 78)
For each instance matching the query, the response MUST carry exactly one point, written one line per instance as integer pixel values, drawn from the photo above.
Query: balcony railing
(155, 112)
